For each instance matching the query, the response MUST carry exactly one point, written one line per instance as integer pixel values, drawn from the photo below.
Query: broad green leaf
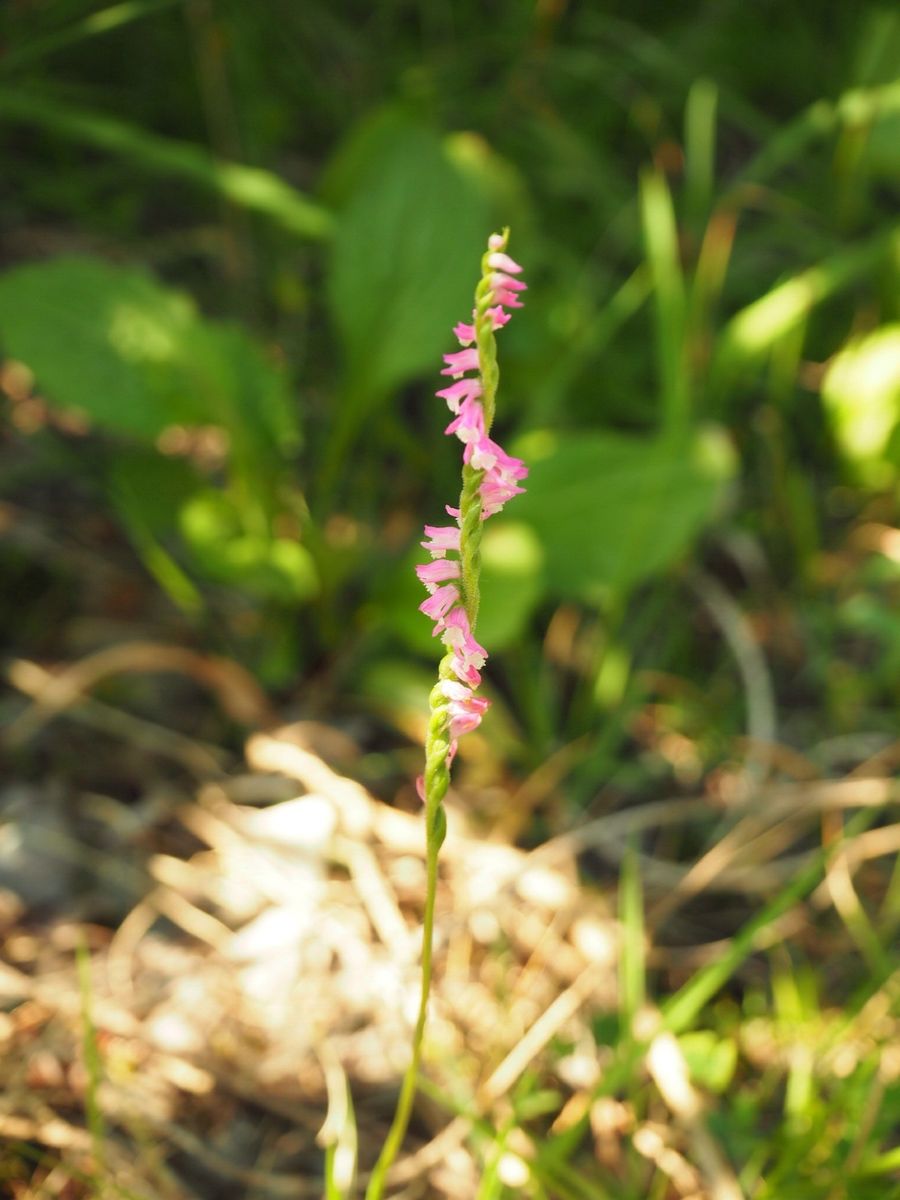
(611, 510)
(102, 339)
(136, 358)
(405, 259)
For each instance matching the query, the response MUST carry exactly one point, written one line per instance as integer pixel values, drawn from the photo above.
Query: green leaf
(406, 256)
(611, 510)
(101, 339)
(136, 358)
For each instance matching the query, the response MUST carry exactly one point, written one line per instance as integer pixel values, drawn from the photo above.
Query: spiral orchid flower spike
(490, 477)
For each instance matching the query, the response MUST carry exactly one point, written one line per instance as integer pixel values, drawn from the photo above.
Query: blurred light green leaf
(511, 582)
(755, 329)
(273, 568)
(406, 252)
(861, 391)
(611, 510)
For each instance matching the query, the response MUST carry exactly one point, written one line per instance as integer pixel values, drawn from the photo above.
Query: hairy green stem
(437, 781)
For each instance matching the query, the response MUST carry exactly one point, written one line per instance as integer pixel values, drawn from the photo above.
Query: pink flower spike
(469, 425)
(502, 262)
(438, 571)
(465, 333)
(437, 605)
(441, 539)
(461, 361)
(465, 389)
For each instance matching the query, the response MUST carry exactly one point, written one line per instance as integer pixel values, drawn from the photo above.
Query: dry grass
(269, 953)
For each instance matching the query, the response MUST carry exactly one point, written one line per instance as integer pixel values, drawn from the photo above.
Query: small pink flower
(466, 671)
(462, 360)
(502, 262)
(465, 389)
(441, 539)
(496, 241)
(465, 333)
(508, 298)
(465, 709)
(506, 284)
(453, 690)
(440, 603)
(494, 495)
(438, 571)
(468, 655)
(486, 455)
(469, 425)
(504, 289)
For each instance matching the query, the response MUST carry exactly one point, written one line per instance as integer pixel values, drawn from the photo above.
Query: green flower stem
(437, 781)
(470, 527)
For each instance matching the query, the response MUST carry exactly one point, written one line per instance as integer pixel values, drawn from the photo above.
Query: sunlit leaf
(136, 358)
(861, 390)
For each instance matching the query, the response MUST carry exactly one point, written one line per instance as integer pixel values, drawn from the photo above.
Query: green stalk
(437, 781)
